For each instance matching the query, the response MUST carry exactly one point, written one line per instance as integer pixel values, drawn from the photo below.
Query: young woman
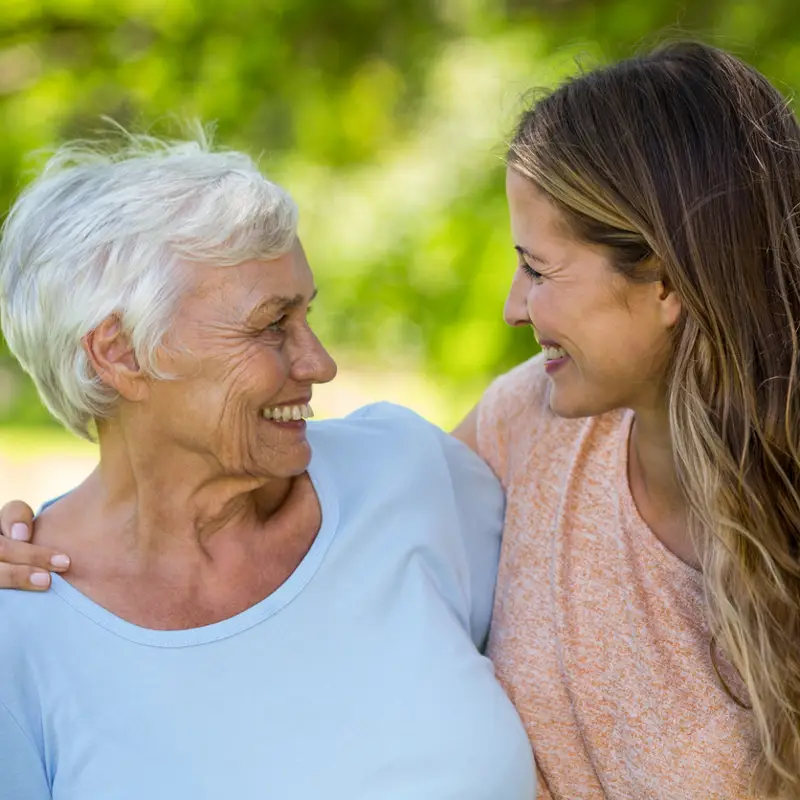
(647, 612)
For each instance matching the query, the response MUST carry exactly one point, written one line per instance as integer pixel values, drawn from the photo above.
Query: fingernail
(61, 562)
(19, 531)
(40, 579)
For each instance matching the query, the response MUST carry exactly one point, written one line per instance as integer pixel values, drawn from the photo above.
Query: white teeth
(288, 413)
(552, 353)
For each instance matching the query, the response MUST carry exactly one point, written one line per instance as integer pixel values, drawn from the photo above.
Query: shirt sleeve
(22, 773)
(480, 506)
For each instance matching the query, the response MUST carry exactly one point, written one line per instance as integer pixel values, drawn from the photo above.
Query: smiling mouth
(553, 353)
(288, 413)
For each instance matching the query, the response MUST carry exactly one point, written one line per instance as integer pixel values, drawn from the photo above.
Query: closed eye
(278, 326)
(523, 264)
(530, 271)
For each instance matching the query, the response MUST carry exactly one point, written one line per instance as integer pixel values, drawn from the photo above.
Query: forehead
(253, 282)
(532, 213)
(538, 226)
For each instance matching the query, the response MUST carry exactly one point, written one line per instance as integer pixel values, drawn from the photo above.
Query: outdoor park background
(386, 121)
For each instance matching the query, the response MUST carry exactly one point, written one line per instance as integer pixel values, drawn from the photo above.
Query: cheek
(630, 350)
(538, 305)
(224, 386)
(257, 372)
(551, 311)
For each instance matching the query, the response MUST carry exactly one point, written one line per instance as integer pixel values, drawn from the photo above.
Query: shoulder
(26, 619)
(28, 623)
(514, 418)
(518, 433)
(523, 389)
(379, 432)
(519, 398)
(367, 421)
(387, 440)
(394, 432)
(19, 610)
(432, 487)
(404, 458)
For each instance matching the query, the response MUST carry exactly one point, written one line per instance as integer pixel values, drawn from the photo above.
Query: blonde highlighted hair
(685, 163)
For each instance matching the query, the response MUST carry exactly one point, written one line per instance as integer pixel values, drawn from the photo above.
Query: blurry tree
(386, 121)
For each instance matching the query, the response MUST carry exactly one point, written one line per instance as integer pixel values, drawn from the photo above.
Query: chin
(298, 462)
(285, 464)
(563, 405)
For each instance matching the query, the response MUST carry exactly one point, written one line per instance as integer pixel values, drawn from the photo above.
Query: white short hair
(106, 231)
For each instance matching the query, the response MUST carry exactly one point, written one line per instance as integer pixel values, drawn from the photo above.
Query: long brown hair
(685, 163)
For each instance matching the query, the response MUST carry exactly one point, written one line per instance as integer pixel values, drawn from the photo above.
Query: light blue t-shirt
(360, 678)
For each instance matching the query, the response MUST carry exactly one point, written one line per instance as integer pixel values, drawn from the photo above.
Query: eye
(278, 326)
(530, 271)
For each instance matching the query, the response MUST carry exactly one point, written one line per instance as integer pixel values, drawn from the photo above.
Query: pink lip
(551, 366)
(292, 424)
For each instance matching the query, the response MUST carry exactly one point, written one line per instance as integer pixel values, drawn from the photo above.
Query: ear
(111, 355)
(670, 305)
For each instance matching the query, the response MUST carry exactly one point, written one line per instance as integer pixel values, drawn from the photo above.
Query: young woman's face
(605, 338)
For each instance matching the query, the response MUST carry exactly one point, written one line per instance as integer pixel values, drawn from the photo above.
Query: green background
(386, 121)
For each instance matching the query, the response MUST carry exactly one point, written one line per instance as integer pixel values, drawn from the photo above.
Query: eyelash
(279, 326)
(530, 271)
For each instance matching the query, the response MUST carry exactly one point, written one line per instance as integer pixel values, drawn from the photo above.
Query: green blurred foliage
(385, 120)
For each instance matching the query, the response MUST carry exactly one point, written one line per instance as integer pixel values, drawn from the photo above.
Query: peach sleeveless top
(598, 633)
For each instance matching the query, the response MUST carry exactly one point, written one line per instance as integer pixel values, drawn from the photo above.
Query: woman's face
(606, 339)
(243, 353)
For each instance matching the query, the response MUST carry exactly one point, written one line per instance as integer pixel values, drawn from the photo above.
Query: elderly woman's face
(245, 361)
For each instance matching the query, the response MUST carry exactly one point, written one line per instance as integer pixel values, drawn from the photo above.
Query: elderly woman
(255, 608)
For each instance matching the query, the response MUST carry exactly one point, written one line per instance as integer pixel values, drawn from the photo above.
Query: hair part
(114, 230)
(685, 164)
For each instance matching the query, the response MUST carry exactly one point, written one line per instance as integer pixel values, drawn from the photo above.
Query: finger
(13, 576)
(16, 520)
(32, 555)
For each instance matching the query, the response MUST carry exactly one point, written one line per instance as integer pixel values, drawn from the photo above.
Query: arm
(480, 505)
(22, 773)
(24, 565)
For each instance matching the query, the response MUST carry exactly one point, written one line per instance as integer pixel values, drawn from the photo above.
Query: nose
(312, 363)
(515, 310)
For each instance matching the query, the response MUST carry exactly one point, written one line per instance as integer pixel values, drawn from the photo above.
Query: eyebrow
(523, 252)
(281, 303)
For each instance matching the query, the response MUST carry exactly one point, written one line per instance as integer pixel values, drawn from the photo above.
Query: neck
(654, 482)
(167, 496)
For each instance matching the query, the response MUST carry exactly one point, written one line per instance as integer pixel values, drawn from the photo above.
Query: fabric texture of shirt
(359, 678)
(599, 632)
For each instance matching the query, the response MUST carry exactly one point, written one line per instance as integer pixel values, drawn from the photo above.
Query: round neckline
(268, 607)
(632, 518)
